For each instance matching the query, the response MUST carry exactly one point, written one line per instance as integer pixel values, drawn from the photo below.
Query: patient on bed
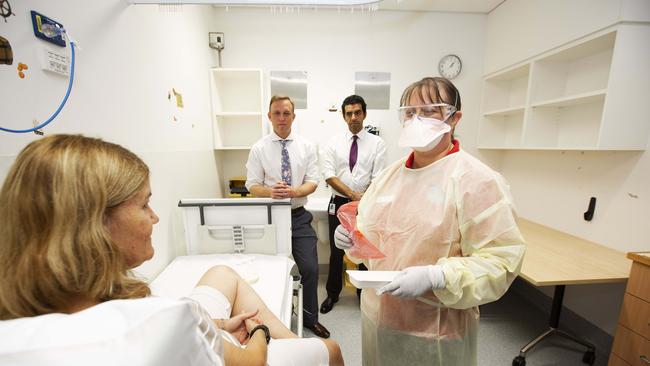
(75, 219)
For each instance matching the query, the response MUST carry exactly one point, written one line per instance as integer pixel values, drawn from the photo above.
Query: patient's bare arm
(255, 352)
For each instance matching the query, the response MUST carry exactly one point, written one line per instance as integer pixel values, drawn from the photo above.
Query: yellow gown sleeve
(492, 245)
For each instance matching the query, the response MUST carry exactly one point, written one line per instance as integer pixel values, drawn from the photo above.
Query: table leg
(553, 322)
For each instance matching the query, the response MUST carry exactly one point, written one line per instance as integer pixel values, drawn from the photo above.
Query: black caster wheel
(519, 361)
(589, 357)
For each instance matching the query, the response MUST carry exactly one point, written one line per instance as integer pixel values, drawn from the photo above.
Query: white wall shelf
(572, 97)
(571, 100)
(238, 120)
(234, 148)
(505, 111)
(238, 114)
(506, 89)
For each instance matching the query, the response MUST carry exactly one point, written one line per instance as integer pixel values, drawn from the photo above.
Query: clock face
(450, 66)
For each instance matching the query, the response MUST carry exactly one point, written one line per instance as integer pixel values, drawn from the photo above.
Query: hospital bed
(252, 236)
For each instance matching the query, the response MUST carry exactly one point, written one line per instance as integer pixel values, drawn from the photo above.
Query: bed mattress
(268, 275)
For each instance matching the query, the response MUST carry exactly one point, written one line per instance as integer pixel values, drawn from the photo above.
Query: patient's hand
(250, 324)
(238, 326)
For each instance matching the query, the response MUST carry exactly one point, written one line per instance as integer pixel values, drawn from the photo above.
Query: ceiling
(456, 6)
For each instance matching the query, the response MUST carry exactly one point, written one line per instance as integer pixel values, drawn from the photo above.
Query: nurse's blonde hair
(54, 245)
(429, 89)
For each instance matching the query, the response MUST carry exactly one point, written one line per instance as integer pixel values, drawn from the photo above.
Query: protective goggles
(438, 111)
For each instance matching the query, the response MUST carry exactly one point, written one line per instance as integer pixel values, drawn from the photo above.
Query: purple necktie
(354, 152)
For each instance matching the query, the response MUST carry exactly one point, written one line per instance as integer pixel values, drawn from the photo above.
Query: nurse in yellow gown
(447, 221)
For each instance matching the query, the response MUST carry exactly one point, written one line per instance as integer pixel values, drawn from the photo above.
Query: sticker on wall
(21, 67)
(6, 54)
(292, 84)
(374, 87)
(5, 9)
(179, 98)
(175, 100)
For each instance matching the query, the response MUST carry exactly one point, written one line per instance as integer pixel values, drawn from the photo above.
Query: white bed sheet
(268, 275)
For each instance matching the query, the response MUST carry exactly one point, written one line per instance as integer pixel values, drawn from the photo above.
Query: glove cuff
(437, 277)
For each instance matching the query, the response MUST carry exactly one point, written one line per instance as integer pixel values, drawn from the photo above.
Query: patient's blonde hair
(54, 245)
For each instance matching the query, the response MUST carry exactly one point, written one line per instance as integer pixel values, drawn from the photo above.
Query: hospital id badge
(332, 209)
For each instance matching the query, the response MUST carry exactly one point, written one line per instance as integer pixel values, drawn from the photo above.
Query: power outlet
(55, 62)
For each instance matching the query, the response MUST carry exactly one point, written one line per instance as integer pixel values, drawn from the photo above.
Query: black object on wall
(589, 214)
(5, 9)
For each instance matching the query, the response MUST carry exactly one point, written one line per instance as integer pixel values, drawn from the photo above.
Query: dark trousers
(303, 248)
(335, 275)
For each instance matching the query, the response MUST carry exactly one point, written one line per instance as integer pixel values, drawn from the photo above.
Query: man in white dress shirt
(350, 162)
(283, 165)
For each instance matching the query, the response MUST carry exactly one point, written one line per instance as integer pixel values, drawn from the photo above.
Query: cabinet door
(616, 361)
(639, 283)
(631, 347)
(635, 315)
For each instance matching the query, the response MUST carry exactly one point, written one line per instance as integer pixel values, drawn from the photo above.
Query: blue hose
(58, 110)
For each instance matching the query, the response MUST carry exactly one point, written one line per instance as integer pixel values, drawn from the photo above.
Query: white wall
(519, 29)
(130, 58)
(332, 45)
(554, 187)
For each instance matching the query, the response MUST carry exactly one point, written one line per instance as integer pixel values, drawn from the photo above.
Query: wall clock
(450, 66)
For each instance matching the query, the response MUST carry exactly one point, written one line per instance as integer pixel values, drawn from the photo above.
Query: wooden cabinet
(587, 95)
(238, 119)
(632, 339)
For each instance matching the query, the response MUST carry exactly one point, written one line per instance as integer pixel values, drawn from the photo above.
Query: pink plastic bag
(362, 248)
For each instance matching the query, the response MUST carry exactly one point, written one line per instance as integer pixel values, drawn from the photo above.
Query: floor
(506, 326)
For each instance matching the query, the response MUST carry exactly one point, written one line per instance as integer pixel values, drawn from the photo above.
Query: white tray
(371, 279)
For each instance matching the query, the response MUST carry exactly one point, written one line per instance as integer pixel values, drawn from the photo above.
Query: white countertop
(317, 205)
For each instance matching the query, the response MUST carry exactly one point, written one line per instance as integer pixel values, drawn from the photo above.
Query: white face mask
(422, 134)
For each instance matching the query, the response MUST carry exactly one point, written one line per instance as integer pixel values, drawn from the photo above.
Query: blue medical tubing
(58, 110)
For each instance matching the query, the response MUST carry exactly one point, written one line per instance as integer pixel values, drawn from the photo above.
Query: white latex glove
(415, 281)
(342, 238)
